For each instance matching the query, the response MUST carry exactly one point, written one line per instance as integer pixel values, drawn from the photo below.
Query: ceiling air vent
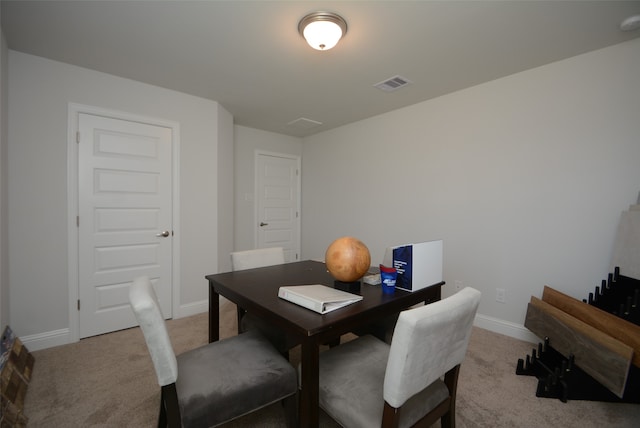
(393, 84)
(303, 124)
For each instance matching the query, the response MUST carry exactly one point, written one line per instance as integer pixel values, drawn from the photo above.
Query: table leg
(435, 294)
(214, 314)
(309, 398)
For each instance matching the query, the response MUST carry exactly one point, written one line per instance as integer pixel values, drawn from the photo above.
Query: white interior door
(125, 218)
(278, 203)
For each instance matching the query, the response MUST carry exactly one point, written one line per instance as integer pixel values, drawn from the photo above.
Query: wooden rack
(591, 349)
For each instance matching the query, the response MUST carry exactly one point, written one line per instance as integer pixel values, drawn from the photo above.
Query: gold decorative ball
(347, 259)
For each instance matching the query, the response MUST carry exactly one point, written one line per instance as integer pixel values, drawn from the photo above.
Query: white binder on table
(317, 297)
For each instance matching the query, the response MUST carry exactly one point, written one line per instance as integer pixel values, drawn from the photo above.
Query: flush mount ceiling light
(322, 30)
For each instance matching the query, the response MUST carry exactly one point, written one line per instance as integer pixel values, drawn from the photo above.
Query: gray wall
(247, 142)
(226, 168)
(39, 93)
(524, 178)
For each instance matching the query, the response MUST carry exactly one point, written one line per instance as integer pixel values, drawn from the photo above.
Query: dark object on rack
(618, 295)
(560, 377)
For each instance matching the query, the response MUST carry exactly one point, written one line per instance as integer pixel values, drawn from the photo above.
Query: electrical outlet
(501, 295)
(459, 285)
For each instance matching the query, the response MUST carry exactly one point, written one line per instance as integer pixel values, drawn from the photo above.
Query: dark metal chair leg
(290, 405)
(169, 410)
(162, 417)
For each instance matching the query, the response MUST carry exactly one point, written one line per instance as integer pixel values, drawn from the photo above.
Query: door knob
(163, 234)
(263, 224)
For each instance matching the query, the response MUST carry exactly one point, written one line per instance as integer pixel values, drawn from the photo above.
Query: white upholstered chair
(251, 259)
(367, 383)
(215, 383)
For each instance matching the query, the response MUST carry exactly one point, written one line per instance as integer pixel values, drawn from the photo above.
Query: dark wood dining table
(256, 291)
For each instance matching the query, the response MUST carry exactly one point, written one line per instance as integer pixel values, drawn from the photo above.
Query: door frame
(74, 110)
(298, 160)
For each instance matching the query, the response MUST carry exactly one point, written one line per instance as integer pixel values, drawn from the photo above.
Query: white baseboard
(46, 340)
(196, 308)
(53, 338)
(192, 309)
(517, 331)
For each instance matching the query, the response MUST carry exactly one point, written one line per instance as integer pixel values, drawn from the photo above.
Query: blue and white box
(418, 265)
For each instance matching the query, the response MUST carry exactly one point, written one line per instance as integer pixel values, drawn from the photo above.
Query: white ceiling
(248, 55)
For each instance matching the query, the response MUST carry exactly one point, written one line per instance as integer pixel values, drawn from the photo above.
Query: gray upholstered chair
(367, 383)
(250, 259)
(215, 383)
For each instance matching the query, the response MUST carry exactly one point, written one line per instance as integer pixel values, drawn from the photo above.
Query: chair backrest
(145, 306)
(260, 257)
(428, 341)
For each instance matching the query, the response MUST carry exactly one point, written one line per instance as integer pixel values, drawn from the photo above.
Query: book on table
(317, 297)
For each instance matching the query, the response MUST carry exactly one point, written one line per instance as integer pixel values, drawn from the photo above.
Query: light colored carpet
(108, 381)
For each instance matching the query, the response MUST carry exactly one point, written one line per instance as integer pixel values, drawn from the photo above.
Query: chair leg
(169, 408)
(290, 405)
(448, 420)
(390, 416)
(162, 417)
(239, 314)
(333, 343)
